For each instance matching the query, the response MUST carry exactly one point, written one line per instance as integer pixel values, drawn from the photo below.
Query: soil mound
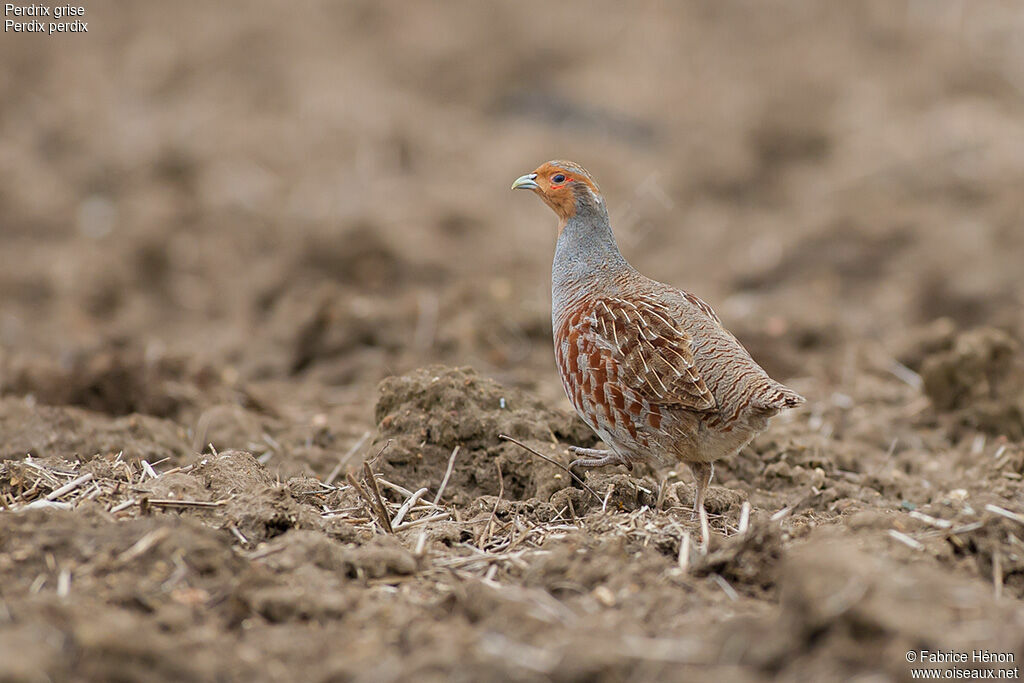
(428, 413)
(978, 378)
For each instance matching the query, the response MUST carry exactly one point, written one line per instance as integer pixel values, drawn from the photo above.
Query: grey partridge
(650, 368)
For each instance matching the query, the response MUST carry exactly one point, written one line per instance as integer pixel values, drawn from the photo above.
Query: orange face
(558, 184)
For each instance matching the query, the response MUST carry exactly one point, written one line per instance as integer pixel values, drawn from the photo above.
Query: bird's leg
(702, 474)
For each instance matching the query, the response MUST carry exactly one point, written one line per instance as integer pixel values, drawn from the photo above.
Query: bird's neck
(586, 257)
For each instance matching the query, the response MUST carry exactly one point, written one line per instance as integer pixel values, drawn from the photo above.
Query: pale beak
(526, 182)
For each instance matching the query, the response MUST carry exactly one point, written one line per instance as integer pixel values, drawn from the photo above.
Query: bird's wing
(652, 351)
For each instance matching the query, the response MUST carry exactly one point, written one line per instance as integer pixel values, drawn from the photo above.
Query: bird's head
(564, 186)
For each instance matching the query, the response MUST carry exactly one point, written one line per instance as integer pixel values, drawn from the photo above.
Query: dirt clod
(980, 380)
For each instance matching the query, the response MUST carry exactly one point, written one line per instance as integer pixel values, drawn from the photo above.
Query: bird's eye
(559, 178)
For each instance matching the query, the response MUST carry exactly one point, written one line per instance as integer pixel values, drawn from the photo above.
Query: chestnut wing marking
(653, 353)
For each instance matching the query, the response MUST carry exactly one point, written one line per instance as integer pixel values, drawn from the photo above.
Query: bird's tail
(776, 397)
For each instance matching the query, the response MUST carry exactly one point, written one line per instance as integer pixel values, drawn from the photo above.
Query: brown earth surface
(246, 250)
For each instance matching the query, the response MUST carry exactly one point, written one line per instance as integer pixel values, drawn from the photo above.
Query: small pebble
(604, 596)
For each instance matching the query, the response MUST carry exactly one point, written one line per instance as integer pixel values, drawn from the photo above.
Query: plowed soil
(263, 281)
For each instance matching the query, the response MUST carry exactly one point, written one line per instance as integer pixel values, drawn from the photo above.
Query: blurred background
(311, 197)
(222, 225)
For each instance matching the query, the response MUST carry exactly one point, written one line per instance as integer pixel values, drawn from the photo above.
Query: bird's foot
(597, 458)
(594, 458)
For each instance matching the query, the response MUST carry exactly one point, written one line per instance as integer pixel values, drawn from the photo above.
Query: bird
(650, 368)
